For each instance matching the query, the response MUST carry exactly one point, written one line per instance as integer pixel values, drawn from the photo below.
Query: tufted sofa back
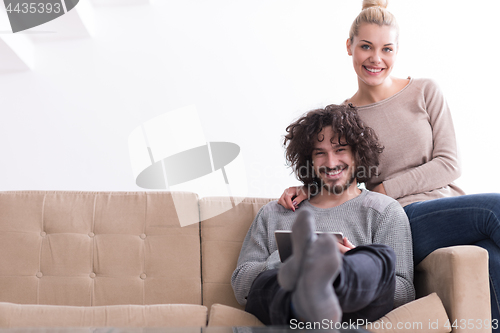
(97, 248)
(222, 236)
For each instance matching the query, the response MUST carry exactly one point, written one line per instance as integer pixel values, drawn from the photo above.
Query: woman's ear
(348, 45)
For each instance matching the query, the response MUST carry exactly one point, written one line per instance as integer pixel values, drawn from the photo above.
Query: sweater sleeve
(443, 168)
(393, 229)
(255, 257)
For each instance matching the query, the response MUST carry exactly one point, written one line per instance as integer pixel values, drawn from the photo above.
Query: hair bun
(375, 3)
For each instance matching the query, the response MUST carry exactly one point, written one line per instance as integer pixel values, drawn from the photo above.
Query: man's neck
(326, 199)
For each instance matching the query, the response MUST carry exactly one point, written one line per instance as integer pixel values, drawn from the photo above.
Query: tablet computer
(284, 241)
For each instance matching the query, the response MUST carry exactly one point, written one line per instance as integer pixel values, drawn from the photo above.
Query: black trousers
(365, 288)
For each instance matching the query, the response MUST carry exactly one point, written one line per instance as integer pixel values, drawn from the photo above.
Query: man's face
(333, 162)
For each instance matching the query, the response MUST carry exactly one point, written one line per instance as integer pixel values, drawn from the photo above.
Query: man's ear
(348, 45)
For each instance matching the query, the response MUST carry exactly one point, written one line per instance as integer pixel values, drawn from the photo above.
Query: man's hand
(346, 246)
(295, 193)
(379, 188)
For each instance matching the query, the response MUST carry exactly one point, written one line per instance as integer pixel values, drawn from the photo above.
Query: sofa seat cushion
(223, 315)
(160, 315)
(426, 314)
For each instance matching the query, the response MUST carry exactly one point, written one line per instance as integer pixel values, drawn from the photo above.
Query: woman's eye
(387, 49)
(365, 47)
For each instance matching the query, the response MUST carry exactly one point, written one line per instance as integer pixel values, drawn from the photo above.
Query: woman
(419, 163)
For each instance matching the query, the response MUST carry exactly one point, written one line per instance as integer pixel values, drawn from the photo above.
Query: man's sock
(314, 298)
(302, 236)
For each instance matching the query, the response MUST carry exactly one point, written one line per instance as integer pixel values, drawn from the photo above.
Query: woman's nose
(375, 58)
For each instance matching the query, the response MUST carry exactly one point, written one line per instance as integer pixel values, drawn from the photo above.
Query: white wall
(250, 67)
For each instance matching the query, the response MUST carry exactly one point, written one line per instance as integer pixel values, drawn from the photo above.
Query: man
(330, 151)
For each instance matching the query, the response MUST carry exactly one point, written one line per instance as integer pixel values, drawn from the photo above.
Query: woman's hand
(380, 189)
(346, 246)
(295, 193)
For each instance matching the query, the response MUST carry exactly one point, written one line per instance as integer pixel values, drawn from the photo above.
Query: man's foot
(314, 298)
(302, 236)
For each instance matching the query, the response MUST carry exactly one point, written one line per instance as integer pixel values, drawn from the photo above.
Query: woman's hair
(375, 12)
(344, 120)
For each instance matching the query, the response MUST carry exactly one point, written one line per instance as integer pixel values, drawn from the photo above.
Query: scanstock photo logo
(26, 14)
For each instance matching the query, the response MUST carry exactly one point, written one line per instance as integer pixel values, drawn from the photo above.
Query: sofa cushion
(97, 248)
(425, 314)
(161, 315)
(222, 236)
(419, 316)
(222, 315)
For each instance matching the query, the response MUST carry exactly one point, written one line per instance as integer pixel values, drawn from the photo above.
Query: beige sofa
(99, 259)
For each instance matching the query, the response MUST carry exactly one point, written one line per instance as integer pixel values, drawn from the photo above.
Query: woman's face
(373, 52)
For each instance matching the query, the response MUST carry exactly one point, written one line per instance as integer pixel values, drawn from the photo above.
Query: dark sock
(314, 298)
(302, 236)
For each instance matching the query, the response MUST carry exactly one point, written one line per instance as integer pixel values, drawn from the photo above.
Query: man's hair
(344, 120)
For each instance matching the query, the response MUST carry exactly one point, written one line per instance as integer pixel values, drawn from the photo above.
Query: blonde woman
(419, 163)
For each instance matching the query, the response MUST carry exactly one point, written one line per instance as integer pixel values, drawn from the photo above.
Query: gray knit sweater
(369, 218)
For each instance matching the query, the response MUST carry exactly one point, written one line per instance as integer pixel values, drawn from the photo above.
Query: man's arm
(255, 256)
(393, 229)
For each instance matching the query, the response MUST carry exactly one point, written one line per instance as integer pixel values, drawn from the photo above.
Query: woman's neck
(372, 94)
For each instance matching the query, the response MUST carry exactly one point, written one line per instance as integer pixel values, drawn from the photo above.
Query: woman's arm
(292, 196)
(443, 168)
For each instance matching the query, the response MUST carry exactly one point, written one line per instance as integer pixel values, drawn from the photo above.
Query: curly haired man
(362, 277)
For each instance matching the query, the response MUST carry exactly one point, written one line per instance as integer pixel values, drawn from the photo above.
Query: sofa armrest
(459, 275)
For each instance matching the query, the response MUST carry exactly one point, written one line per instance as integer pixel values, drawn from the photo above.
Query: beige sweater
(419, 161)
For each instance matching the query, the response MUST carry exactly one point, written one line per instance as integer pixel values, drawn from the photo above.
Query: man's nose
(332, 161)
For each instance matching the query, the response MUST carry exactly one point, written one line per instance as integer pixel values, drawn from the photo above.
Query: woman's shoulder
(429, 90)
(425, 83)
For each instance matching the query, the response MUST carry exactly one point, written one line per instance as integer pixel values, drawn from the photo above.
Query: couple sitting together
(409, 210)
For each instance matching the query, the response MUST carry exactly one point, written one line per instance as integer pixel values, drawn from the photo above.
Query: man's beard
(339, 189)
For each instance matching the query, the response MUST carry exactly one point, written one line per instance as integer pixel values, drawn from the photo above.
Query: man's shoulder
(273, 207)
(379, 202)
